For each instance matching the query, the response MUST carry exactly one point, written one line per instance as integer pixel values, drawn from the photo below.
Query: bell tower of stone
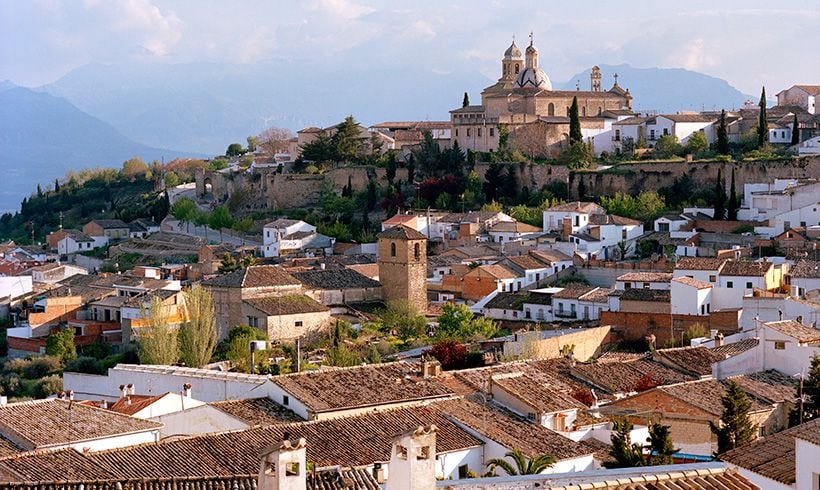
(595, 79)
(512, 63)
(403, 266)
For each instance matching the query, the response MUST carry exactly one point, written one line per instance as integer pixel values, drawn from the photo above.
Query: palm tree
(523, 465)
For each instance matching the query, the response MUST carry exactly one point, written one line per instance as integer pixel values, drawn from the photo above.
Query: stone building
(524, 96)
(403, 266)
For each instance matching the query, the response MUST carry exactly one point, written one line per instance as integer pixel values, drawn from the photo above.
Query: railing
(565, 314)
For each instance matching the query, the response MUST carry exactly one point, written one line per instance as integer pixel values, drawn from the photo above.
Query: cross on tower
(577, 84)
(616, 79)
(530, 38)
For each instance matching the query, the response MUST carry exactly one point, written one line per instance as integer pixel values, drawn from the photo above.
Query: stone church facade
(524, 96)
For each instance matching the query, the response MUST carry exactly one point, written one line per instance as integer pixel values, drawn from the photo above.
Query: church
(523, 98)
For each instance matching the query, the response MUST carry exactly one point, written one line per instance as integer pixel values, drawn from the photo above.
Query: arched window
(599, 110)
(392, 249)
(516, 68)
(551, 109)
(584, 111)
(567, 110)
(417, 251)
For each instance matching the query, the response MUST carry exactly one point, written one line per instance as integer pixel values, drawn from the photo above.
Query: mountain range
(101, 115)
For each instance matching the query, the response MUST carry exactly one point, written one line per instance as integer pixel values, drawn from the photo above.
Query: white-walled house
(680, 125)
(691, 296)
(765, 306)
(810, 146)
(285, 236)
(803, 277)
(645, 280)
(76, 241)
(570, 217)
(805, 96)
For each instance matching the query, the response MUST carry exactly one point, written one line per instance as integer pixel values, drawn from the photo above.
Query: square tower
(403, 266)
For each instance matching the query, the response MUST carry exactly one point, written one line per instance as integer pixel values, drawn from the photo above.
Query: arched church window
(417, 251)
(584, 111)
(599, 110)
(551, 109)
(516, 68)
(392, 249)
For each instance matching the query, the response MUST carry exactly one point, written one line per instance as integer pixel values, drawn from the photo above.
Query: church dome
(531, 49)
(533, 78)
(512, 53)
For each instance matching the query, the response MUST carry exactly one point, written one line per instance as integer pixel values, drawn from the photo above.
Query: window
(401, 452)
(651, 134)
(530, 416)
(646, 285)
(463, 471)
(479, 132)
(253, 321)
(492, 132)
(551, 109)
(708, 307)
(417, 251)
(423, 453)
(292, 469)
(599, 110)
(297, 324)
(702, 309)
(516, 68)
(456, 132)
(623, 233)
(627, 285)
(617, 135)
(577, 220)
(730, 284)
(780, 345)
(712, 278)
(584, 111)
(393, 249)
(285, 400)
(748, 285)
(666, 131)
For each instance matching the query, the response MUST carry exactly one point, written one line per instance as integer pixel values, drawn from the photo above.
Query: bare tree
(198, 332)
(158, 342)
(530, 139)
(275, 140)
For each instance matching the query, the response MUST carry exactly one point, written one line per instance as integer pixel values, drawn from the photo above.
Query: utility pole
(298, 354)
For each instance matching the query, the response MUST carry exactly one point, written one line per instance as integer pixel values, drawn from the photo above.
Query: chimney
(186, 390)
(283, 466)
(128, 401)
(131, 389)
(413, 460)
(103, 404)
(123, 391)
(430, 368)
(378, 473)
(718, 339)
(4, 400)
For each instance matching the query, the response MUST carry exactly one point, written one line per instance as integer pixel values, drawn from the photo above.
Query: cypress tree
(660, 444)
(720, 197)
(466, 100)
(734, 202)
(723, 135)
(574, 122)
(625, 453)
(795, 132)
(390, 174)
(582, 189)
(735, 428)
(762, 121)
(57, 183)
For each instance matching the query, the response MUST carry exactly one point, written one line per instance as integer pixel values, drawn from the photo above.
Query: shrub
(584, 396)
(10, 385)
(451, 354)
(42, 366)
(88, 365)
(16, 365)
(50, 385)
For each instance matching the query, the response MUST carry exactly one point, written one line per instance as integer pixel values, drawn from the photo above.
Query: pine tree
(720, 197)
(811, 396)
(735, 428)
(734, 202)
(493, 181)
(762, 121)
(346, 141)
(625, 453)
(660, 444)
(574, 122)
(466, 100)
(795, 132)
(723, 135)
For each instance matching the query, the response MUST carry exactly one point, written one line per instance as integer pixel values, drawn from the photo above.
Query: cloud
(157, 31)
(342, 9)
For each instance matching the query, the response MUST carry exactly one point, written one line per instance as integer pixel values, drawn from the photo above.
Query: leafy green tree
(253, 142)
(171, 179)
(466, 100)
(220, 218)
(342, 356)
(762, 121)
(574, 123)
(523, 465)
(428, 157)
(660, 444)
(183, 210)
(697, 143)
(346, 141)
(320, 149)
(795, 131)
(197, 335)
(811, 396)
(577, 155)
(158, 340)
(134, 167)
(458, 321)
(667, 146)
(403, 319)
(625, 453)
(493, 180)
(646, 207)
(234, 150)
(720, 197)
(238, 346)
(735, 428)
(734, 203)
(61, 345)
(723, 134)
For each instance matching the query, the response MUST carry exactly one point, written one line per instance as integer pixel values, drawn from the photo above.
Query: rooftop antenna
(577, 84)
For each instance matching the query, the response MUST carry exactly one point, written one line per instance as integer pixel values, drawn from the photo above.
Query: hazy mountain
(206, 106)
(665, 89)
(43, 136)
(6, 85)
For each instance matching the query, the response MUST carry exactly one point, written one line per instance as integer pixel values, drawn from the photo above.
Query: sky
(748, 43)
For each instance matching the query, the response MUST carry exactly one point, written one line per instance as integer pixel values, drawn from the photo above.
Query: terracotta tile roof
(673, 479)
(806, 269)
(645, 277)
(52, 465)
(598, 295)
(811, 89)
(773, 456)
(692, 282)
(641, 294)
(329, 443)
(540, 396)
(550, 256)
(258, 411)
(796, 330)
(687, 118)
(509, 429)
(497, 271)
(110, 224)
(527, 262)
(745, 268)
(45, 423)
(553, 372)
(362, 386)
(8, 448)
(695, 360)
(335, 279)
(255, 276)
(289, 304)
(131, 404)
(367, 270)
(699, 264)
(573, 292)
(611, 219)
(402, 232)
(513, 227)
(579, 207)
(622, 377)
(730, 350)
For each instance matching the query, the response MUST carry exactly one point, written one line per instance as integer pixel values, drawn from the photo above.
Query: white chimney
(131, 389)
(413, 460)
(186, 390)
(123, 391)
(718, 339)
(103, 404)
(4, 400)
(283, 466)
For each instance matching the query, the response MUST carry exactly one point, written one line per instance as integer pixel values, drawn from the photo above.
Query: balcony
(565, 314)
